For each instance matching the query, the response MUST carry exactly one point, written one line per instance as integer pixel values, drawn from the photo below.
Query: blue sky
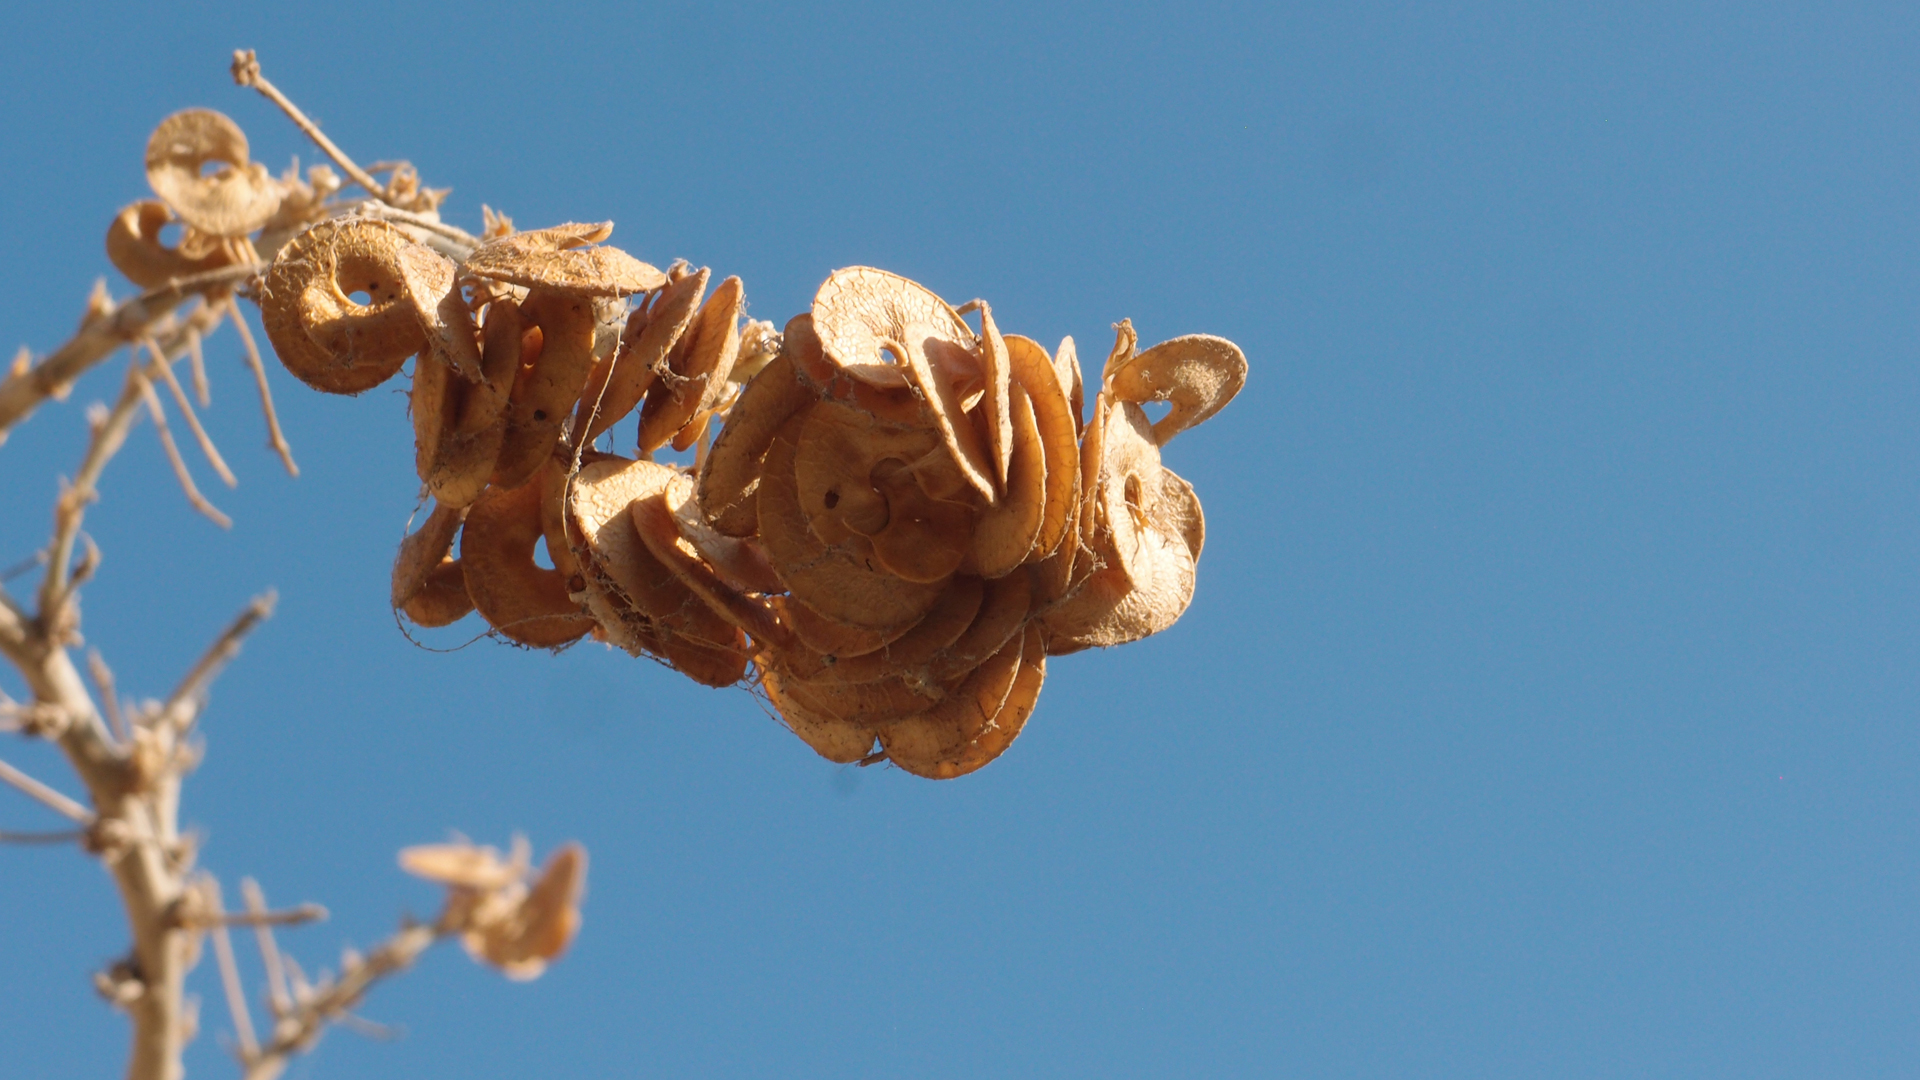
(1547, 704)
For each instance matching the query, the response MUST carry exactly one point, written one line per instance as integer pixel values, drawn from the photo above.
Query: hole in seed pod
(363, 297)
(170, 234)
(540, 556)
(539, 414)
(832, 499)
(1155, 410)
(212, 167)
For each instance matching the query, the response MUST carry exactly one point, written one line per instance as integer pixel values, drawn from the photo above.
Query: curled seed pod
(1058, 426)
(828, 639)
(522, 941)
(655, 522)
(1004, 607)
(952, 615)
(1005, 535)
(995, 396)
(547, 387)
(618, 385)
(859, 309)
(1198, 374)
(838, 450)
(518, 597)
(837, 740)
(738, 560)
(428, 584)
(469, 442)
(134, 247)
(828, 381)
(941, 387)
(327, 339)
(833, 580)
(1066, 366)
(695, 375)
(925, 539)
(232, 201)
(731, 473)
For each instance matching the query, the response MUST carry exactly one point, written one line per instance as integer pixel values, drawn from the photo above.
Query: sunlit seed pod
(1197, 374)
(1005, 535)
(759, 344)
(696, 370)
(616, 388)
(230, 201)
(901, 404)
(1006, 725)
(541, 926)
(467, 866)
(546, 389)
(837, 740)
(828, 639)
(442, 598)
(839, 446)
(1066, 366)
(1115, 608)
(1052, 576)
(327, 339)
(731, 473)
(832, 580)
(937, 372)
(738, 560)
(922, 742)
(995, 400)
(1058, 425)
(859, 309)
(518, 597)
(470, 446)
(134, 247)
(655, 522)
(1124, 341)
(871, 704)
(925, 539)
(429, 586)
(433, 402)
(557, 260)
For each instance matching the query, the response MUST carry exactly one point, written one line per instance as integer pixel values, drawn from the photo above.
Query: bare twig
(229, 972)
(198, 359)
(63, 836)
(185, 701)
(278, 996)
(275, 437)
(23, 391)
(294, 916)
(52, 799)
(246, 72)
(194, 498)
(109, 694)
(212, 452)
(331, 1000)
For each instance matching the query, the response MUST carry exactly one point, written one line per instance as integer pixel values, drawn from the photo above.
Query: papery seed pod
(921, 743)
(731, 473)
(857, 311)
(695, 374)
(837, 740)
(538, 929)
(229, 202)
(134, 247)
(518, 597)
(1058, 425)
(428, 583)
(1005, 535)
(617, 387)
(1198, 374)
(332, 342)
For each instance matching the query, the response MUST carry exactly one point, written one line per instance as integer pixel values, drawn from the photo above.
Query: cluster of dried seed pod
(893, 520)
(506, 915)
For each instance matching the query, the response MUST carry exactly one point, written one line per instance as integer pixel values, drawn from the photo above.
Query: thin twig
(55, 801)
(295, 916)
(275, 438)
(332, 1000)
(186, 409)
(22, 392)
(230, 974)
(63, 836)
(277, 995)
(109, 695)
(246, 72)
(183, 704)
(194, 498)
(197, 357)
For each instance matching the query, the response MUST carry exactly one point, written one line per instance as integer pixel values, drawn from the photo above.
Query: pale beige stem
(109, 694)
(329, 1001)
(180, 472)
(183, 705)
(275, 437)
(230, 973)
(246, 72)
(278, 996)
(53, 800)
(211, 451)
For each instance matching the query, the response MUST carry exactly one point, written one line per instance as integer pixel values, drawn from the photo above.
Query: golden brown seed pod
(536, 931)
(134, 247)
(925, 539)
(996, 376)
(731, 473)
(229, 202)
(738, 560)
(1005, 535)
(695, 375)
(433, 402)
(1066, 366)
(838, 449)
(833, 580)
(428, 584)
(654, 521)
(546, 389)
(922, 743)
(1004, 607)
(829, 639)
(1198, 374)
(1058, 426)
(952, 615)
(518, 597)
(618, 385)
(858, 310)
(332, 342)
(837, 740)
(828, 381)
(1012, 718)
(939, 372)
(554, 259)
(470, 444)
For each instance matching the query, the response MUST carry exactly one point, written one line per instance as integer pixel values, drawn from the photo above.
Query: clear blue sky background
(1548, 704)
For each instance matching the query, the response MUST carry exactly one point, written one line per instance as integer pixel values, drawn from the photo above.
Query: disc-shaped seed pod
(229, 202)
(922, 742)
(731, 473)
(925, 538)
(995, 401)
(469, 445)
(834, 459)
(1066, 366)
(831, 579)
(538, 929)
(900, 404)
(654, 521)
(952, 615)
(695, 373)
(134, 247)
(830, 640)
(837, 740)
(556, 259)
(958, 737)
(327, 339)
(521, 599)
(938, 372)
(1005, 535)
(738, 560)
(1004, 607)
(858, 310)
(1198, 374)
(428, 584)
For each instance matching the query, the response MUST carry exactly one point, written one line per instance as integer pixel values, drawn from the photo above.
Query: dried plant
(891, 519)
(132, 760)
